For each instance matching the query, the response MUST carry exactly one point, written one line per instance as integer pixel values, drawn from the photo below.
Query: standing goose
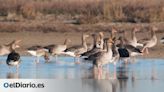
(115, 56)
(13, 59)
(57, 49)
(112, 34)
(77, 50)
(134, 41)
(99, 41)
(103, 57)
(151, 42)
(126, 50)
(96, 46)
(6, 49)
(38, 51)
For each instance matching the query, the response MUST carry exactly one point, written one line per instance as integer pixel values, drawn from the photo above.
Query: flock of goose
(103, 51)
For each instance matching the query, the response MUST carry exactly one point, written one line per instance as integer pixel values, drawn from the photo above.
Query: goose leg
(50, 58)
(133, 59)
(17, 68)
(94, 72)
(99, 72)
(77, 60)
(56, 58)
(126, 61)
(74, 59)
(115, 76)
(143, 49)
(147, 51)
(37, 60)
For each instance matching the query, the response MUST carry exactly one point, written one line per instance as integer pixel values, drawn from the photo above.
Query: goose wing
(91, 52)
(35, 47)
(133, 49)
(74, 48)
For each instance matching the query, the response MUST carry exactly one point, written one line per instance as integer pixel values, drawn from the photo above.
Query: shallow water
(143, 75)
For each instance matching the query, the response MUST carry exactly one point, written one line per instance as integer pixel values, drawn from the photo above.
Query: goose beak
(114, 30)
(18, 41)
(110, 40)
(101, 33)
(17, 46)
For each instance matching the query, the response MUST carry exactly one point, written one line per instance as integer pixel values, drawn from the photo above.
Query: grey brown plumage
(57, 49)
(13, 59)
(96, 46)
(6, 49)
(102, 57)
(151, 42)
(134, 42)
(78, 49)
(38, 51)
(126, 50)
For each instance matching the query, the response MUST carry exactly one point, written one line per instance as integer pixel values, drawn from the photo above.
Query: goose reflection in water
(92, 73)
(107, 83)
(122, 76)
(11, 75)
(100, 85)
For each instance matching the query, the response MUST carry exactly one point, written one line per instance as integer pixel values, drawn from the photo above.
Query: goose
(99, 43)
(96, 45)
(126, 50)
(91, 55)
(76, 51)
(13, 59)
(113, 31)
(57, 49)
(134, 41)
(151, 42)
(104, 57)
(8, 48)
(38, 51)
(115, 54)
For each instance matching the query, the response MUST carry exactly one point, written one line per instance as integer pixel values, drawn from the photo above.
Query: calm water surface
(143, 75)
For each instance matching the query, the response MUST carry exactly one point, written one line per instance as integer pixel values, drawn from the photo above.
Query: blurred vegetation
(88, 11)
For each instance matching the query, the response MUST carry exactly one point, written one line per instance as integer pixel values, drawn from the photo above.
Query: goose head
(101, 35)
(67, 41)
(15, 44)
(110, 41)
(154, 28)
(136, 29)
(114, 30)
(85, 36)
